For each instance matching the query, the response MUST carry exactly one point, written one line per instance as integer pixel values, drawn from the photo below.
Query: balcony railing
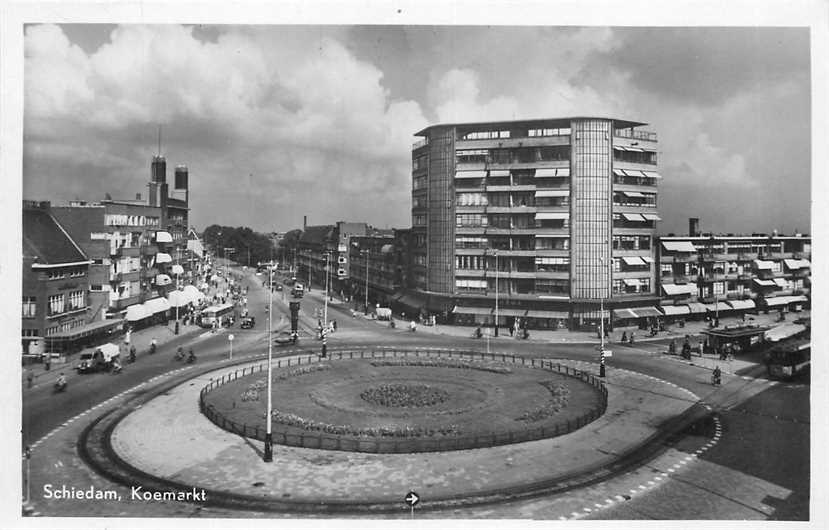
(635, 134)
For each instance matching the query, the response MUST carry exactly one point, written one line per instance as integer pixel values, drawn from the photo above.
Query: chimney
(304, 223)
(693, 226)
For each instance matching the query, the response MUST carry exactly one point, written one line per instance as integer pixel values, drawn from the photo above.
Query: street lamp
(268, 435)
(325, 307)
(601, 321)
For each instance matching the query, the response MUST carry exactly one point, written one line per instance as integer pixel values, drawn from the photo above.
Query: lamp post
(601, 322)
(268, 435)
(325, 307)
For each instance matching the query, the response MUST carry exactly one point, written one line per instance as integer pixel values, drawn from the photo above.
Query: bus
(789, 360)
(215, 313)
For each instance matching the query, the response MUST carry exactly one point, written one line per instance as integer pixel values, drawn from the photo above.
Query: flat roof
(722, 237)
(558, 122)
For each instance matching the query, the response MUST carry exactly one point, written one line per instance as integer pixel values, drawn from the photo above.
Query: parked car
(248, 322)
(286, 338)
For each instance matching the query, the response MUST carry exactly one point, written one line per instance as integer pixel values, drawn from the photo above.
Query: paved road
(759, 470)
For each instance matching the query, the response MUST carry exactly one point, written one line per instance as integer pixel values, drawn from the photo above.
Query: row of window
(631, 242)
(63, 327)
(532, 133)
(486, 135)
(58, 303)
(517, 155)
(507, 200)
(420, 162)
(69, 272)
(130, 220)
(632, 285)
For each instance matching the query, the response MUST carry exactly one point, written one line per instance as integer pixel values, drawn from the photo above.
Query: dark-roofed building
(55, 279)
(331, 242)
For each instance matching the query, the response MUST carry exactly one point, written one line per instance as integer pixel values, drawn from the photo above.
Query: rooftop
(45, 241)
(539, 122)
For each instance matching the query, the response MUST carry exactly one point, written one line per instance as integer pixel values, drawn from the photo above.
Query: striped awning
(460, 310)
(643, 312)
(742, 304)
(672, 289)
(679, 246)
(696, 307)
(499, 172)
(633, 260)
(163, 237)
(161, 257)
(545, 172)
(651, 217)
(764, 283)
(633, 217)
(470, 174)
(763, 265)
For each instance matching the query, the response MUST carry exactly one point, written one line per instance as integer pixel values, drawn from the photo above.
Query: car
(248, 322)
(286, 338)
(278, 287)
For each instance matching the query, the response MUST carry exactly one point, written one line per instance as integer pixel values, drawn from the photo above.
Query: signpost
(412, 499)
(230, 338)
(28, 455)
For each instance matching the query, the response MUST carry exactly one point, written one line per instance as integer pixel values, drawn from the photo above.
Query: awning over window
(178, 299)
(784, 331)
(161, 257)
(633, 260)
(779, 301)
(552, 215)
(742, 304)
(163, 237)
(545, 172)
(675, 309)
(647, 259)
(157, 305)
(624, 313)
(672, 289)
(534, 313)
(764, 283)
(632, 194)
(470, 174)
(193, 294)
(87, 330)
(628, 148)
(781, 283)
(552, 235)
(763, 265)
(552, 193)
(652, 174)
(177, 269)
(651, 217)
(633, 217)
(634, 173)
(631, 282)
(643, 312)
(618, 172)
(796, 263)
(499, 172)
(563, 172)
(163, 279)
(679, 246)
(696, 307)
(137, 312)
(460, 310)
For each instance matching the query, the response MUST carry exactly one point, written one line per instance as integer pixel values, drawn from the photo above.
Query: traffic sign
(412, 499)
(230, 337)
(608, 353)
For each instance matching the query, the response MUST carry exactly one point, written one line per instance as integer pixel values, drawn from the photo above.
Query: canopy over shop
(79, 338)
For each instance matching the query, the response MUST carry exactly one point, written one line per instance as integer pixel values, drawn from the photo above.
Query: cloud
(297, 114)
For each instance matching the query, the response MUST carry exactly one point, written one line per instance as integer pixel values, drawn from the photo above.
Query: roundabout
(411, 402)
(161, 441)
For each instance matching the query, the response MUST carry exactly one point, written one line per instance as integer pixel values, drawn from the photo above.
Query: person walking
(30, 377)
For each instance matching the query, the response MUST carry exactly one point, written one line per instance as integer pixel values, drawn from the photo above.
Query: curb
(95, 449)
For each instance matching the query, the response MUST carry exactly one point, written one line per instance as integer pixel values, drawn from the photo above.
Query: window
(471, 242)
(471, 156)
(418, 202)
(420, 259)
(419, 182)
(552, 264)
(486, 135)
(57, 274)
(420, 163)
(29, 306)
(470, 219)
(56, 304)
(552, 286)
(631, 242)
(96, 287)
(548, 132)
(552, 243)
(418, 220)
(471, 285)
(471, 199)
(76, 300)
(667, 269)
(470, 262)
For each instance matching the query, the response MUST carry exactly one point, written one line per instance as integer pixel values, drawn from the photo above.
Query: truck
(98, 360)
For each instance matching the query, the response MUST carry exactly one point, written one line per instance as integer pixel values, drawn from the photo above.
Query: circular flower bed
(403, 395)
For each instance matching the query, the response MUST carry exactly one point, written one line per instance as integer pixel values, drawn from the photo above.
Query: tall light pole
(268, 435)
(178, 283)
(325, 307)
(601, 321)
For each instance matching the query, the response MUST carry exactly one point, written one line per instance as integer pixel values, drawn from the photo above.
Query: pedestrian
(324, 348)
(47, 362)
(334, 325)
(624, 337)
(30, 377)
(630, 340)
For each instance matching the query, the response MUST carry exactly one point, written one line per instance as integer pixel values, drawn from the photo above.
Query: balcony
(635, 134)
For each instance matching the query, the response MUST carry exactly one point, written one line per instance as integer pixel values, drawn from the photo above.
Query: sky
(277, 122)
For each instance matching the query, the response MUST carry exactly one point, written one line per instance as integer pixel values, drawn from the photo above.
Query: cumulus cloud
(296, 117)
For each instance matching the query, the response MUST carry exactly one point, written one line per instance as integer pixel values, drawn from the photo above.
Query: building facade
(327, 244)
(379, 268)
(708, 274)
(548, 219)
(55, 280)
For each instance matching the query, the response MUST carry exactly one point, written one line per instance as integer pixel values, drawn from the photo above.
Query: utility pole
(268, 434)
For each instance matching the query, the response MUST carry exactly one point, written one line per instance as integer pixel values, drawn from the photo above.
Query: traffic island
(412, 402)
(165, 443)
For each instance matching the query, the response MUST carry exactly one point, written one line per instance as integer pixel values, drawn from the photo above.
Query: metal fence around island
(405, 444)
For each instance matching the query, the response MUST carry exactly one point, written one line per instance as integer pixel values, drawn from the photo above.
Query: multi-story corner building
(704, 274)
(323, 244)
(55, 290)
(120, 237)
(548, 218)
(379, 267)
